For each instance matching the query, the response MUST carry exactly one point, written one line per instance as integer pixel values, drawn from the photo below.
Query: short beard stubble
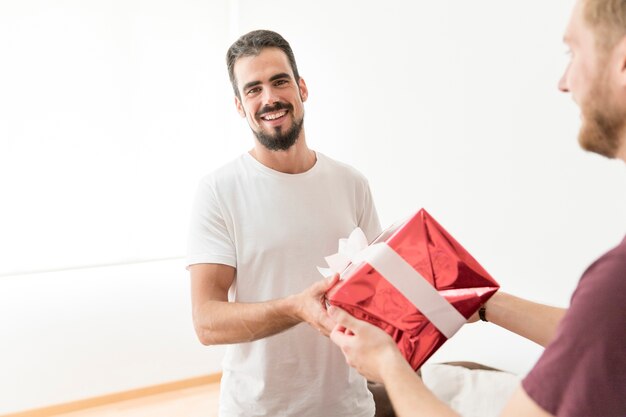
(604, 121)
(279, 140)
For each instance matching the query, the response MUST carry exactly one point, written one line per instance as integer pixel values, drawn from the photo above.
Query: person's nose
(269, 97)
(563, 85)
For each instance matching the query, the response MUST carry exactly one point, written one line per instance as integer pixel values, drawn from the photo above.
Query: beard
(279, 140)
(603, 121)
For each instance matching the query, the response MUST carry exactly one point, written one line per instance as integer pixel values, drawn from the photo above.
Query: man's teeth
(274, 116)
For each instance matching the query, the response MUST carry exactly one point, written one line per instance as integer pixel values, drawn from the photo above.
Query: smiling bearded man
(259, 227)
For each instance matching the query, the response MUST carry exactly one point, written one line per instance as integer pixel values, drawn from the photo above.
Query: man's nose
(269, 96)
(563, 86)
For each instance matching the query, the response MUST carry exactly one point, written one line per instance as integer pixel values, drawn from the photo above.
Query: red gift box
(415, 281)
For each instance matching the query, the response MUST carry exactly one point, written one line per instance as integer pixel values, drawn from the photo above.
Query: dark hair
(251, 44)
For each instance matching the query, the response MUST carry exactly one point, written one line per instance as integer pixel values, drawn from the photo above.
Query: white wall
(80, 333)
(110, 114)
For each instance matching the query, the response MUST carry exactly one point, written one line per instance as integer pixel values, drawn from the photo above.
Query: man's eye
(281, 82)
(253, 91)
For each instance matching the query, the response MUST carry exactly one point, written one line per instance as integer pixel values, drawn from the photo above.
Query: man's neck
(295, 160)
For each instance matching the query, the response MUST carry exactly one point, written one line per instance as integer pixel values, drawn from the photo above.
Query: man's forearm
(534, 321)
(221, 322)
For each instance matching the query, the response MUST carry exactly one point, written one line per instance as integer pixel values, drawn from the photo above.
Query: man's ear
(239, 106)
(618, 62)
(304, 91)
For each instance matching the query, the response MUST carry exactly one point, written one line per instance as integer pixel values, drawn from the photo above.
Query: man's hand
(367, 348)
(311, 308)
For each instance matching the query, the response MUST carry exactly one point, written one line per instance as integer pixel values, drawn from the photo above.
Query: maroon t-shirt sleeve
(582, 372)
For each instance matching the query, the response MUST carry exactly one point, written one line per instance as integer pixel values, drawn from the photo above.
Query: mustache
(275, 107)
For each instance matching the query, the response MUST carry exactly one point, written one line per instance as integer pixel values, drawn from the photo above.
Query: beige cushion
(470, 392)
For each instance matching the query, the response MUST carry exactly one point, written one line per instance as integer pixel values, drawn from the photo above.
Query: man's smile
(274, 115)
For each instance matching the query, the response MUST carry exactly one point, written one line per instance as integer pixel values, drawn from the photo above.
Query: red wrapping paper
(439, 259)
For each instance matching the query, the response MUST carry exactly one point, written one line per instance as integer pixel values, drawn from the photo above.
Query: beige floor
(199, 401)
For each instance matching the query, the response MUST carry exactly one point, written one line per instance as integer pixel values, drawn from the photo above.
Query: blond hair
(607, 18)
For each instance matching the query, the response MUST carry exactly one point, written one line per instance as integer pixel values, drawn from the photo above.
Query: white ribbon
(401, 275)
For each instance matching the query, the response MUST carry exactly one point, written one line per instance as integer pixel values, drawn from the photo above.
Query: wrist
(291, 306)
(493, 308)
(392, 363)
(482, 312)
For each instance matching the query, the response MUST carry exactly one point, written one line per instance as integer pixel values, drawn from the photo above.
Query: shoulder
(214, 188)
(341, 169)
(597, 307)
(611, 263)
(605, 279)
(597, 311)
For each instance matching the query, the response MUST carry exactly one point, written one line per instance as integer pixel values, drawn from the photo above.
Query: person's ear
(304, 91)
(618, 62)
(240, 109)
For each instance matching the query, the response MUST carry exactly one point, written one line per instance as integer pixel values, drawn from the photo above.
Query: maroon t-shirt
(582, 372)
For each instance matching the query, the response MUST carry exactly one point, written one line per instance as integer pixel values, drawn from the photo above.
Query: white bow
(349, 250)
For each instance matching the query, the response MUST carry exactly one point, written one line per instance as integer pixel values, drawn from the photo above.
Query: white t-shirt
(275, 228)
